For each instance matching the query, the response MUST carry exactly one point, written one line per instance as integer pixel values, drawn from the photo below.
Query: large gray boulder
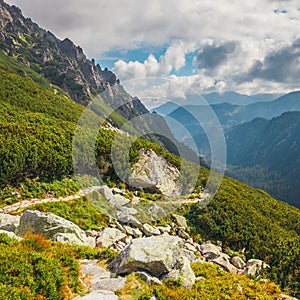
(9, 222)
(109, 236)
(238, 262)
(155, 172)
(53, 228)
(157, 256)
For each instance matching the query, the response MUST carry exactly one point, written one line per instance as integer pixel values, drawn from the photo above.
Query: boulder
(137, 233)
(99, 295)
(180, 220)
(155, 255)
(155, 172)
(164, 229)
(53, 228)
(9, 222)
(184, 272)
(224, 263)
(238, 262)
(118, 201)
(124, 217)
(253, 266)
(156, 212)
(109, 236)
(149, 230)
(182, 233)
(210, 251)
(106, 192)
(94, 271)
(110, 284)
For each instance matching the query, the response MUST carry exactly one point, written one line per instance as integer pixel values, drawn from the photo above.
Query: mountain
(266, 154)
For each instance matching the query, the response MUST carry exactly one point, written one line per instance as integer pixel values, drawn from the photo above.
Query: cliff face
(61, 62)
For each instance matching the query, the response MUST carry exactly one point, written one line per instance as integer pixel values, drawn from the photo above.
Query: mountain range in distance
(262, 139)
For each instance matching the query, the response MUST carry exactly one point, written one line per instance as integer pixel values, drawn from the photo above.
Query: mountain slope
(266, 154)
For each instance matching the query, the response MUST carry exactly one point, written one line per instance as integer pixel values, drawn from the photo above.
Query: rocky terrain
(154, 252)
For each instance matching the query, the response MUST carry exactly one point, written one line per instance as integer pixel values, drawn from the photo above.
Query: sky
(170, 48)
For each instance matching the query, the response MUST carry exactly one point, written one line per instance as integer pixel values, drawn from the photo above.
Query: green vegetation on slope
(216, 285)
(247, 219)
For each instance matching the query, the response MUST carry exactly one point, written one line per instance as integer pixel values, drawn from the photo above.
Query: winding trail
(29, 202)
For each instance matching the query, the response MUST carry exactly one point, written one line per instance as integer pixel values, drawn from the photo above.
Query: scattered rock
(184, 272)
(106, 192)
(286, 297)
(126, 218)
(190, 247)
(149, 279)
(253, 266)
(53, 228)
(110, 284)
(149, 230)
(180, 220)
(210, 251)
(156, 212)
(9, 222)
(109, 236)
(99, 295)
(155, 172)
(224, 263)
(182, 233)
(164, 229)
(118, 201)
(95, 271)
(137, 233)
(155, 255)
(238, 262)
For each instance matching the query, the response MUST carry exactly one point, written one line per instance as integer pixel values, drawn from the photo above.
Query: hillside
(265, 154)
(167, 237)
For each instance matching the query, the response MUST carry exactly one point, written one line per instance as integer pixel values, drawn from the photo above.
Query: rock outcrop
(154, 172)
(157, 256)
(53, 228)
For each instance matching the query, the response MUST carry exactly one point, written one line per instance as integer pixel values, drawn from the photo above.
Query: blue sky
(249, 47)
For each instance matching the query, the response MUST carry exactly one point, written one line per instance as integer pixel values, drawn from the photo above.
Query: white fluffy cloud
(243, 34)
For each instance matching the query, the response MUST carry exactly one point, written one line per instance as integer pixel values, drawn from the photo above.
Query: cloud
(281, 65)
(173, 59)
(212, 56)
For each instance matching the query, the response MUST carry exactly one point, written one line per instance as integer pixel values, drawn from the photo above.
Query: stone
(125, 218)
(190, 255)
(118, 201)
(210, 251)
(156, 212)
(224, 263)
(137, 233)
(91, 233)
(155, 172)
(11, 234)
(98, 295)
(53, 228)
(183, 271)
(149, 279)
(164, 229)
(109, 236)
(190, 247)
(106, 192)
(117, 191)
(238, 262)
(95, 271)
(135, 200)
(180, 220)
(200, 278)
(149, 230)
(182, 233)
(110, 284)
(155, 255)
(128, 210)
(253, 266)
(128, 229)
(71, 239)
(286, 297)
(9, 222)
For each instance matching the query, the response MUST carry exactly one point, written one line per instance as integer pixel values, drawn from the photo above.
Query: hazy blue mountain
(266, 154)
